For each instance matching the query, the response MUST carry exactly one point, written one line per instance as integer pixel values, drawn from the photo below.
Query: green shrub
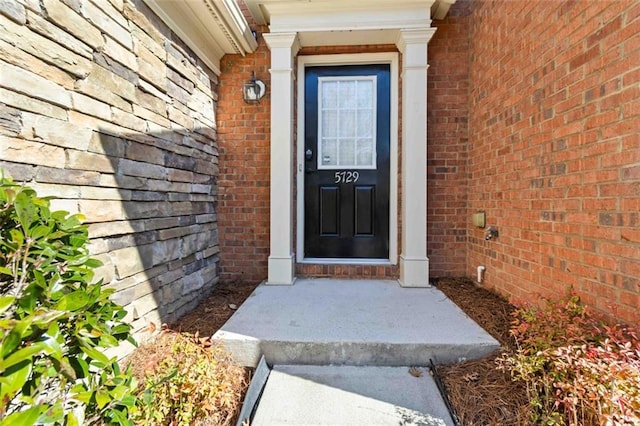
(187, 381)
(577, 370)
(55, 324)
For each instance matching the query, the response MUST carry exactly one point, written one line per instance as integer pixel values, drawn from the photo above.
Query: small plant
(577, 370)
(54, 322)
(187, 381)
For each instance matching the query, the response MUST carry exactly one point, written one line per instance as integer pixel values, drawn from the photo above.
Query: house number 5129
(346, 176)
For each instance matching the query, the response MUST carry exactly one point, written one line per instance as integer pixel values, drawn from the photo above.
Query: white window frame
(321, 138)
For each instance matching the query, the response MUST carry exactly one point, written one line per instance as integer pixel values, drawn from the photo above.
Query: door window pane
(330, 124)
(347, 152)
(347, 93)
(365, 94)
(347, 122)
(329, 155)
(365, 123)
(364, 152)
(329, 94)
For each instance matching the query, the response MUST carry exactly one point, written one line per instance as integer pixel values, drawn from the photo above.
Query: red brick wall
(554, 149)
(447, 138)
(244, 143)
(533, 118)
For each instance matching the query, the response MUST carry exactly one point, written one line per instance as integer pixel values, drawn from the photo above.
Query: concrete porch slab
(351, 322)
(350, 395)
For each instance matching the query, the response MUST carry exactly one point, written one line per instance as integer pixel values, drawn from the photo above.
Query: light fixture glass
(253, 90)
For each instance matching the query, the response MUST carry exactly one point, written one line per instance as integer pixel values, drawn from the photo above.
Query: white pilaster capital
(283, 41)
(408, 37)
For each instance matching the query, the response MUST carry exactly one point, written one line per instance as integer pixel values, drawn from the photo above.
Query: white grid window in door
(347, 122)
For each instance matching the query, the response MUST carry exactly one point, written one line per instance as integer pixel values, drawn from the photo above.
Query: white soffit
(440, 8)
(211, 28)
(342, 22)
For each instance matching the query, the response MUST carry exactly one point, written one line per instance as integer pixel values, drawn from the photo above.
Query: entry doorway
(347, 180)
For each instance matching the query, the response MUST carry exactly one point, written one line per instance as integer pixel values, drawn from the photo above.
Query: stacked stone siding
(103, 107)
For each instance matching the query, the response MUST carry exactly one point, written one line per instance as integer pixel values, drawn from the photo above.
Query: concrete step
(349, 395)
(352, 322)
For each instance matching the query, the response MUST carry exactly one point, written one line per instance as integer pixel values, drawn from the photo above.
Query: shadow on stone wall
(106, 109)
(153, 221)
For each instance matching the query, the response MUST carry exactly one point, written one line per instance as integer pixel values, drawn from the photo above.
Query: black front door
(347, 137)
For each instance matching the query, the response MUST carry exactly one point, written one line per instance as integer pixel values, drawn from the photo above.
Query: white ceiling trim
(211, 28)
(341, 22)
(348, 27)
(348, 20)
(264, 10)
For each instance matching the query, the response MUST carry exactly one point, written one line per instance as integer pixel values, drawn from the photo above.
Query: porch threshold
(351, 322)
(340, 261)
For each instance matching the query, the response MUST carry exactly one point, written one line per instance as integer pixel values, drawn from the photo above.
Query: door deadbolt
(308, 154)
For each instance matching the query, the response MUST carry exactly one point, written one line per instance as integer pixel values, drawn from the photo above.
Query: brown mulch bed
(213, 312)
(479, 393)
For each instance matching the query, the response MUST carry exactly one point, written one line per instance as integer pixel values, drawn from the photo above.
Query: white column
(284, 47)
(414, 264)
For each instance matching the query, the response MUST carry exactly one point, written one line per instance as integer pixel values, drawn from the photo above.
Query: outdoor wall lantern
(253, 90)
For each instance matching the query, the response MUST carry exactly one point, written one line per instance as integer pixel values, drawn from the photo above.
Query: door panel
(347, 136)
(329, 211)
(364, 207)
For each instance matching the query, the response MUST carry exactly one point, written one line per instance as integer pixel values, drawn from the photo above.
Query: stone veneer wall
(102, 106)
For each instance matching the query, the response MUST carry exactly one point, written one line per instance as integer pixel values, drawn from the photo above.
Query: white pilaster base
(281, 271)
(414, 272)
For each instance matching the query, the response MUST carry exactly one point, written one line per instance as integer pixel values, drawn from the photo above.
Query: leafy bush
(54, 323)
(577, 370)
(187, 381)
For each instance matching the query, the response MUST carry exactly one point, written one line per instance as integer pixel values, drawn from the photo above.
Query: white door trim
(390, 58)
